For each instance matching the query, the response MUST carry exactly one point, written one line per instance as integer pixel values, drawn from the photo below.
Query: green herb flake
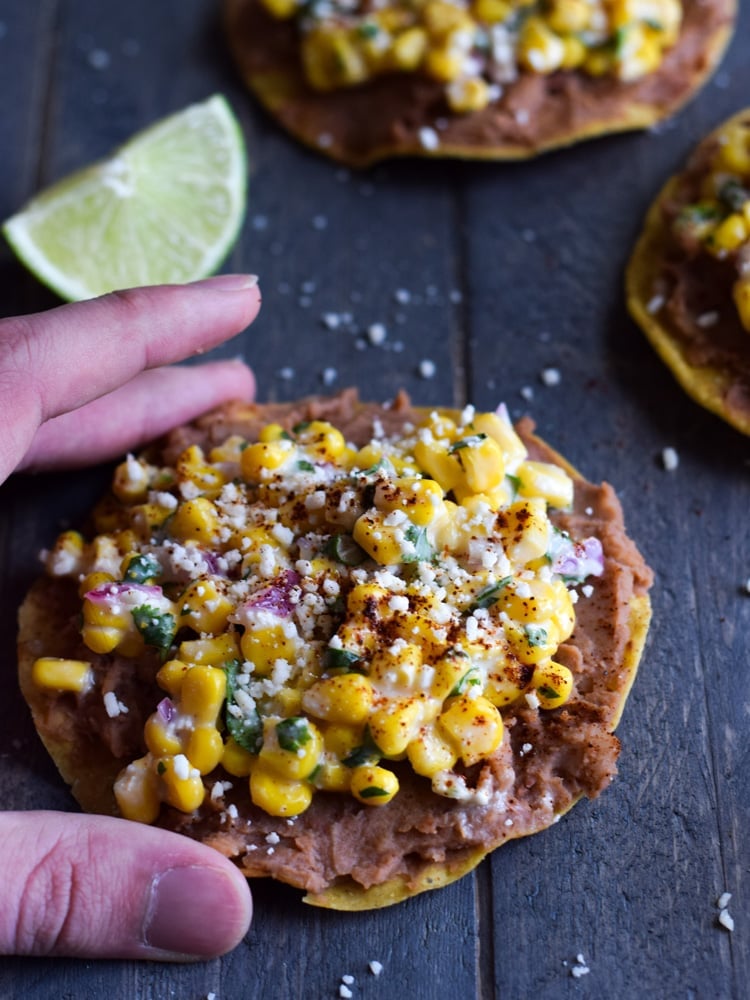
(293, 733)
(373, 792)
(423, 550)
(489, 594)
(305, 466)
(142, 569)
(467, 442)
(470, 679)
(548, 692)
(536, 635)
(157, 628)
(368, 30)
(341, 659)
(161, 767)
(300, 427)
(367, 753)
(247, 729)
(734, 195)
(515, 485)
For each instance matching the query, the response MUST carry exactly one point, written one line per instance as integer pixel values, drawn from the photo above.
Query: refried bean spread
(350, 646)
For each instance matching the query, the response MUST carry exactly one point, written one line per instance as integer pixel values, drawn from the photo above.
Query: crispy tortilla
(361, 125)
(667, 293)
(335, 850)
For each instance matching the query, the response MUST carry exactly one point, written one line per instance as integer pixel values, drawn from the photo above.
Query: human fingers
(98, 887)
(147, 406)
(59, 360)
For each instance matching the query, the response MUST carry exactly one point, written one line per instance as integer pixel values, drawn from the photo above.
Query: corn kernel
(468, 94)
(729, 234)
(430, 752)
(58, 674)
(409, 49)
(394, 727)
(341, 739)
(281, 9)
(420, 499)
(492, 11)
(381, 541)
(196, 520)
(171, 675)
(191, 465)
(205, 748)
(236, 760)
(539, 49)
(553, 684)
(525, 529)
(215, 652)
(185, 793)
(445, 65)
(333, 776)
(475, 726)
(137, 792)
(300, 759)
(260, 460)
(65, 558)
(130, 482)
(373, 785)
(741, 295)
(161, 742)
(545, 480)
(569, 16)
(204, 607)
(279, 796)
(228, 451)
(347, 698)
(203, 693)
(263, 646)
(442, 18)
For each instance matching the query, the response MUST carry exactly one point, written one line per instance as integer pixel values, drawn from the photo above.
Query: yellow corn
(492, 11)
(58, 674)
(260, 460)
(397, 669)
(444, 64)
(566, 16)
(130, 482)
(730, 234)
(159, 740)
(539, 49)
(468, 94)
(203, 692)
(236, 760)
(430, 752)
(409, 49)
(381, 541)
(293, 764)
(215, 652)
(545, 605)
(475, 726)
(93, 580)
(171, 675)
(333, 776)
(373, 785)
(420, 499)
(438, 461)
(481, 462)
(192, 466)
(342, 739)
(197, 521)
(394, 727)
(550, 482)
(137, 792)
(264, 645)
(185, 793)
(553, 684)
(575, 52)
(734, 150)
(525, 529)
(146, 518)
(442, 18)
(65, 558)
(228, 451)
(281, 8)
(204, 607)
(347, 698)
(279, 796)
(508, 680)
(205, 748)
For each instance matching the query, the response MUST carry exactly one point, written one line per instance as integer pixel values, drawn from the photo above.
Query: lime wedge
(165, 207)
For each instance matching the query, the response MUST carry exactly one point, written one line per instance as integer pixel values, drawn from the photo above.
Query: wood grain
(510, 270)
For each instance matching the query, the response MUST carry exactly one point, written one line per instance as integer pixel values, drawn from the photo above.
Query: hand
(79, 384)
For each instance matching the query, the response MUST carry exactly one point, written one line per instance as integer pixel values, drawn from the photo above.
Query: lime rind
(166, 207)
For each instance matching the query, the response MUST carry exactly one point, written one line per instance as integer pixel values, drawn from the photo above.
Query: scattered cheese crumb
(527, 393)
(428, 138)
(655, 304)
(580, 969)
(550, 376)
(531, 700)
(723, 901)
(376, 334)
(726, 920)
(670, 459)
(375, 967)
(587, 590)
(747, 585)
(427, 368)
(707, 319)
(112, 706)
(329, 376)
(345, 992)
(348, 979)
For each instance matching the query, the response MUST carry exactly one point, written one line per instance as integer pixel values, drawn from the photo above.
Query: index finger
(58, 360)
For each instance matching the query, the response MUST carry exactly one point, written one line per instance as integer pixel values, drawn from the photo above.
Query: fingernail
(195, 911)
(229, 282)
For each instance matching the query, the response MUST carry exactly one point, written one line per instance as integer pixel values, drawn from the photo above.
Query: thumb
(98, 887)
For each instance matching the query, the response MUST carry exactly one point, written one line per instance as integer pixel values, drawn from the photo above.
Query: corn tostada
(688, 280)
(353, 647)
(361, 80)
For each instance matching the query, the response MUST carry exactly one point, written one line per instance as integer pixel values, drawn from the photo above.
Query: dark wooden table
(510, 270)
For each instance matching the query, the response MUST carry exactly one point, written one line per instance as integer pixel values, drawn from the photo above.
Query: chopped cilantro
(293, 733)
(157, 628)
(467, 442)
(246, 730)
(470, 679)
(142, 569)
(341, 659)
(734, 195)
(536, 635)
(300, 427)
(305, 466)
(368, 29)
(488, 595)
(423, 550)
(161, 767)
(372, 792)
(367, 753)
(515, 485)
(548, 692)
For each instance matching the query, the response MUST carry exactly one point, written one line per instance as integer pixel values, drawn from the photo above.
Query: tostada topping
(322, 610)
(475, 47)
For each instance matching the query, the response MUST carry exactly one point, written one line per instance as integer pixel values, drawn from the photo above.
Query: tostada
(361, 80)
(353, 647)
(688, 280)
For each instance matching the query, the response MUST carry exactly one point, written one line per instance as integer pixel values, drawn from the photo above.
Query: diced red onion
(107, 593)
(579, 559)
(166, 710)
(276, 598)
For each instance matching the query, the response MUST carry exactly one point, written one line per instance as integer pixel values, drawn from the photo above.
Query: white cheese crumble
(375, 967)
(428, 138)
(670, 459)
(427, 368)
(113, 706)
(345, 992)
(655, 304)
(376, 334)
(726, 920)
(550, 376)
